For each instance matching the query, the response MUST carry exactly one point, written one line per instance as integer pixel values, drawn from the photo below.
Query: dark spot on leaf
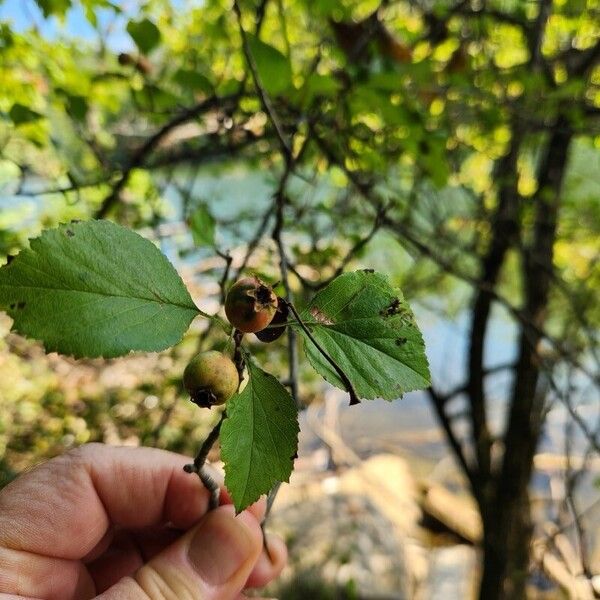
(9, 259)
(401, 341)
(393, 309)
(368, 270)
(75, 221)
(319, 316)
(70, 233)
(21, 304)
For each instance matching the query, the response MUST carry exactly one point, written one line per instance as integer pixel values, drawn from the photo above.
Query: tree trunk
(506, 515)
(504, 228)
(506, 551)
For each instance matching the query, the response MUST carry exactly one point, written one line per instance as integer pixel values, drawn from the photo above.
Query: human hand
(126, 524)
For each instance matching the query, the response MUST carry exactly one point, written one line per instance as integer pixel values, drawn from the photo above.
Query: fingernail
(220, 546)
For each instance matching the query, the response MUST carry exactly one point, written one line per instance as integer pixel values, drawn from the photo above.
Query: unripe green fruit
(210, 378)
(250, 304)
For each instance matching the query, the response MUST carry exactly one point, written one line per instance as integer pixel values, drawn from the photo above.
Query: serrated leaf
(259, 438)
(202, 226)
(367, 327)
(145, 34)
(96, 289)
(274, 69)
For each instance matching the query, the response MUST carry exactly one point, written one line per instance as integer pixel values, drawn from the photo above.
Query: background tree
(465, 134)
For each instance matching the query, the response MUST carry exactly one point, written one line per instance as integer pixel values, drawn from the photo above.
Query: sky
(23, 14)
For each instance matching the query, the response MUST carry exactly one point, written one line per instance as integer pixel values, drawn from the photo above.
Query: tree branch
(440, 409)
(139, 156)
(198, 466)
(262, 93)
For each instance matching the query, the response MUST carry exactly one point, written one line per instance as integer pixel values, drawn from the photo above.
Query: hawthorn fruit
(250, 304)
(210, 378)
(270, 333)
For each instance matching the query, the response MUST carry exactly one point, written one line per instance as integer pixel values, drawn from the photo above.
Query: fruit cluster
(251, 306)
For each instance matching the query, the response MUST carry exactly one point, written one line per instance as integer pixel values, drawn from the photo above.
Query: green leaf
(96, 289)
(193, 80)
(202, 226)
(7, 39)
(90, 7)
(54, 7)
(145, 34)
(325, 8)
(77, 107)
(259, 438)
(274, 69)
(21, 114)
(368, 329)
(317, 85)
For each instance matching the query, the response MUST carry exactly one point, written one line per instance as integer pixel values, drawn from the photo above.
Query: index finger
(64, 507)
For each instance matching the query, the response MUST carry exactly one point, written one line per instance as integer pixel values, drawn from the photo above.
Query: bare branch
(139, 157)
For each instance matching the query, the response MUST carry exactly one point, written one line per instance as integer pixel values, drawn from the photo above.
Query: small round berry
(250, 304)
(272, 333)
(210, 378)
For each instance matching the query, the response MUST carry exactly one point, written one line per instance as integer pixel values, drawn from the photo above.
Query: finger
(211, 562)
(184, 520)
(258, 509)
(121, 558)
(269, 565)
(151, 542)
(31, 575)
(60, 511)
(127, 553)
(64, 507)
(129, 550)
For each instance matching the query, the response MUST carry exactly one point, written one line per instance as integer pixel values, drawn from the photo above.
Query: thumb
(210, 562)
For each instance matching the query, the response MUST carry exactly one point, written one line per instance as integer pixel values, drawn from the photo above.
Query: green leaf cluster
(94, 288)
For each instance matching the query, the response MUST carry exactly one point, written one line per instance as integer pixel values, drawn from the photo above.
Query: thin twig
(253, 243)
(199, 467)
(359, 245)
(455, 445)
(354, 399)
(223, 282)
(262, 93)
(139, 156)
(238, 356)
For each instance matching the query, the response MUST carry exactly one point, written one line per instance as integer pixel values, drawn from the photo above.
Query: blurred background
(453, 145)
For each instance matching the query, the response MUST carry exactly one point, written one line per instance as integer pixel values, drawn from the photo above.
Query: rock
(343, 542)
(456, 513)
(451, 572)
